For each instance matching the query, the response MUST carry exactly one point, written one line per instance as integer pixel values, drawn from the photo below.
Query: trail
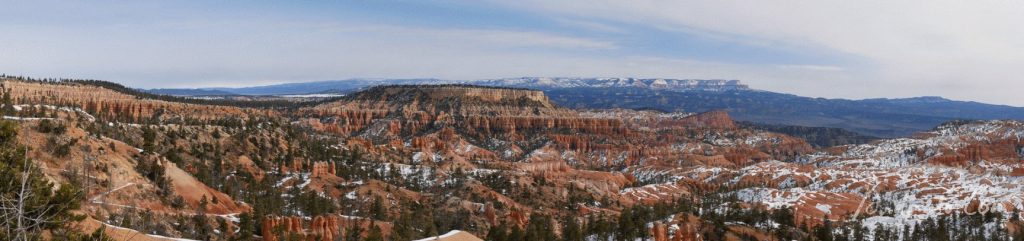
(132, 233)
(98, 196)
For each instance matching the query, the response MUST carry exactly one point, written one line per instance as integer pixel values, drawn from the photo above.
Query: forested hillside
(412, 161)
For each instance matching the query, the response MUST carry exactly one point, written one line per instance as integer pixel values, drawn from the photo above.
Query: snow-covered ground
(890, 171)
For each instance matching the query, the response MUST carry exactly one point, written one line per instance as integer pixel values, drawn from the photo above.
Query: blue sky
(840, 49)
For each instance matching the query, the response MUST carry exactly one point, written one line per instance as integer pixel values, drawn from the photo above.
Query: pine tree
(148, 140)
(245, 226)
(540, 228)
(377, 210)
(627, 228)
(824, 232)
(941, 233)
(8, 108)
(355, 232)
(783, 216)
(29, 204)
(403, 228)
(858, 232)
(375, 234)
(572, 230)
(202, 205)
(222, 225)
(497, 233)
(906, 231)
(100, 234)
(516, 234)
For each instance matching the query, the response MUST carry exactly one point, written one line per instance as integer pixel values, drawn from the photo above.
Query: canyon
(404, 162)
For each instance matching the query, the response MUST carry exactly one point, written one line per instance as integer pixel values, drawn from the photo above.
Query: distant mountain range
(543, 83)
(191, 92)
(872, 117)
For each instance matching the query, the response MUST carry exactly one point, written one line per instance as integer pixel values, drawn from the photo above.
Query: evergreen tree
(100, 234)
(572, 230)
(497, 233)
(8, 108)
(540, 228)
(404, 227)
(377, 210)
(628, 229)
(858, 232)
(30, 204)
(375, 234)
(245, 226)
(355, 232)
(824, 231)
(516, 234)
(148, 140)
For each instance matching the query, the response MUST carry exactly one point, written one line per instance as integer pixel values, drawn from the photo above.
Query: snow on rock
(454, 235)
(825, 208)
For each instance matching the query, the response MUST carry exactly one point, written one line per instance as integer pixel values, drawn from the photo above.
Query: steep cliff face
(657, 157)
(442, 95)
(115, 105)
(548, 153)
(522, 125)
(504, 123)
(718, 119)
(480, 112)
(319, 228)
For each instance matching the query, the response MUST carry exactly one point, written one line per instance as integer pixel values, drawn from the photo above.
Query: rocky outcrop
(687, 232)
(659, 231)
(521, 125)
(682, 228)
(490, 214)
(713, 119)
(325, 227)
(273, 227)
(523, 136)
(502, 155)
(321, 228)
(323, 169)
(113, 105)
(194, 192)
(480, 112)
(454, 94)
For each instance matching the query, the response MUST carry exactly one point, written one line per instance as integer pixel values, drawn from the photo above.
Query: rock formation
(325, 227)
(659, 232)
(321, 228)
(323, 169)
(116, 105)
(273, 227)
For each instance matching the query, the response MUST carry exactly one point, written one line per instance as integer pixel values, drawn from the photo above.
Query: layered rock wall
(321, 228)
(115, 105)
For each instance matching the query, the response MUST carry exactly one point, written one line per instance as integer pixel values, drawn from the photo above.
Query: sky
(964, 50)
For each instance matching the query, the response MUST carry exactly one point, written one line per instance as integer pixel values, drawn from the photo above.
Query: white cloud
(589, 25)
(500, 38)
(237, 52)
(811, 67)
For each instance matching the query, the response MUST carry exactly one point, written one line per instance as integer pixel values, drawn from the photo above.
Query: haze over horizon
(958, 50)
(470, 80)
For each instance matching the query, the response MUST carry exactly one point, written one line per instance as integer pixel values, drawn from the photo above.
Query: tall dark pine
(33, 195)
